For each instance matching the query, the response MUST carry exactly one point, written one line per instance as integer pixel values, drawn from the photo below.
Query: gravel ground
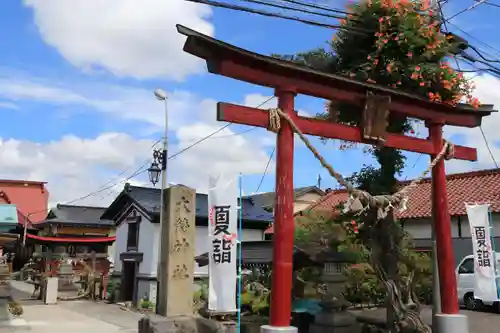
(479, 322)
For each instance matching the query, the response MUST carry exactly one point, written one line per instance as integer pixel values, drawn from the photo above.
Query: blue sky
(77, 108)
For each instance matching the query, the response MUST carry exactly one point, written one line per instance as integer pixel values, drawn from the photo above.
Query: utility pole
(162, 96)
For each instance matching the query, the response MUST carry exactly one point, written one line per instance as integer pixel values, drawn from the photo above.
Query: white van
(465, 284)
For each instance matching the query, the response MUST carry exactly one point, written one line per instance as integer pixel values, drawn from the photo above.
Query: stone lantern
(334, 317)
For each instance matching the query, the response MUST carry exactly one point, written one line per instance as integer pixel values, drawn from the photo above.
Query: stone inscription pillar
(176, 257)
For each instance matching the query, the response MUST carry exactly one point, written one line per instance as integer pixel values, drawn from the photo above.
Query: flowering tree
(405, 49)
(398, 44)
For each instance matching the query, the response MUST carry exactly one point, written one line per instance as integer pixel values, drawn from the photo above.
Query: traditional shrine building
(74, 230)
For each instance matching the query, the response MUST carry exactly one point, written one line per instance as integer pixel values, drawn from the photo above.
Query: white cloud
(487, 88)
(134, 38)
(8, 105)
(75, 167)
(227, 153)
(123, 102)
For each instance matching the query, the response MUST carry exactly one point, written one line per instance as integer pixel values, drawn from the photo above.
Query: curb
(14, 322)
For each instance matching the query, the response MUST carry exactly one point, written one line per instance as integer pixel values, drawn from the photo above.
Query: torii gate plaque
(289, 79)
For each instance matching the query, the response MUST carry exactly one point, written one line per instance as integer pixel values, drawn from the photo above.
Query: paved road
(70, 316)
(479, 322)
(96, 317)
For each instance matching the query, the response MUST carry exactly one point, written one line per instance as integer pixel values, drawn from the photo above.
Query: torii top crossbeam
(289, 79)
(234, 62)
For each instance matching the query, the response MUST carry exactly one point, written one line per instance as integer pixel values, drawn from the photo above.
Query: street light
(160, 94)
(159, 166)
(154, 172)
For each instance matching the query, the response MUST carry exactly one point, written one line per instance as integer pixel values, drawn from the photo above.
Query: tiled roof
(77, 215)
(469, 187)
(267, 199)
(30, 197)
(149, 199)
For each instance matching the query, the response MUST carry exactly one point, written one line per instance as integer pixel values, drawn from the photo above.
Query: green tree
(402, 48)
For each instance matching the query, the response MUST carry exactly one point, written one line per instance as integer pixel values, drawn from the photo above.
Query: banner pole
(240, 251)
(493, 247)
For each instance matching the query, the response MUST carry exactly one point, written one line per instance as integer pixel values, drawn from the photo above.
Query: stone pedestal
(180, 324)
(4, 273)
(65, 278)
(50, 290)
(334, 317)
(177, 252)
(334, 322)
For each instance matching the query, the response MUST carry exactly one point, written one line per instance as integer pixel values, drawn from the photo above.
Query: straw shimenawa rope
(359, 201)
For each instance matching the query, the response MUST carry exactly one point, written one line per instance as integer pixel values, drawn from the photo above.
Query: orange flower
(474, 102)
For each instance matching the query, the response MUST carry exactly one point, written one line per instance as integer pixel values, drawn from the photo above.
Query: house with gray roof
(136, 214)
(303, 197)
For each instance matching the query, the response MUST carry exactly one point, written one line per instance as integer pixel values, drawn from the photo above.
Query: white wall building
(136, 212)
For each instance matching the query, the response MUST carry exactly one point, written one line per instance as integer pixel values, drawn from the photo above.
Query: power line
(321, 7)
(475, 38)
(276, 15)
(478, 3)
(265, 170)
(275, 5)
(481, 56)
(142, 169)
(139, 171)
(488, 147)
(491, 4)
(480, 127)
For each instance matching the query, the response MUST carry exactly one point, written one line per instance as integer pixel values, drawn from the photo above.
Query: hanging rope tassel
(360, 201)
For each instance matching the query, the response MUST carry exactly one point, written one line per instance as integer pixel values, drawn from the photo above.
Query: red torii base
(289, 79)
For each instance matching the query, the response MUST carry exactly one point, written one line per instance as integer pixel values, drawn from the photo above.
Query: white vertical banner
(485, 287)
(223, 238)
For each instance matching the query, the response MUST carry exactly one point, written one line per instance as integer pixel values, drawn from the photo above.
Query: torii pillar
(450, 319)
(289, 79)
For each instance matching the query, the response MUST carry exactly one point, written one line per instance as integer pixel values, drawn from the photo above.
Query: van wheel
(496, 307)
(472, 303)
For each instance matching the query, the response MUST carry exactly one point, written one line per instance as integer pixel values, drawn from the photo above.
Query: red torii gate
(289, 79)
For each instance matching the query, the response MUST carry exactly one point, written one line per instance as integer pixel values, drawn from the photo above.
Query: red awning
(72, 239)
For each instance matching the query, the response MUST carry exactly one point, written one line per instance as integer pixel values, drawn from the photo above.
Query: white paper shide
(485, 287)
(223, 238)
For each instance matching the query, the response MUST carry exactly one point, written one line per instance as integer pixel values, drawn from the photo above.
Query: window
(133, 235)
(467, 267)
